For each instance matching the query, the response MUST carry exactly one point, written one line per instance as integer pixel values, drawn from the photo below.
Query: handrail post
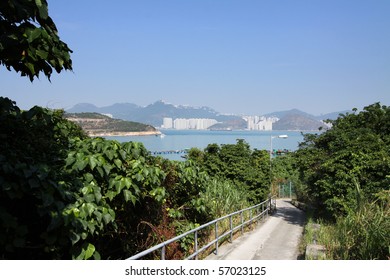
(196, 244)
(231, 229)
(163, 253)
(216, 238)
(262, 211)
(250, 219)
(267, 209)
(275, 204)
(242, 222)
(270, 204)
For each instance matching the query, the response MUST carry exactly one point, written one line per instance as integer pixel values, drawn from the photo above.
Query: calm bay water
(185, 139)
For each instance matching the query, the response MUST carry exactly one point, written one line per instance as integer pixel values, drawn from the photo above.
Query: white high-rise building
(259, 123)
(198, 124)
(264, 124)
(180, 124)
(167, 123)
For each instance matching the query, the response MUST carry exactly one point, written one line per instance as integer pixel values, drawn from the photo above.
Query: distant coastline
(99, 125)
(128, 133)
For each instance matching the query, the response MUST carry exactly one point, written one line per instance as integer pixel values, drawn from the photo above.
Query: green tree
(64, 195)
(285, 170)
(29, 41)
(244, 168)
(354, 150)
(33, 146)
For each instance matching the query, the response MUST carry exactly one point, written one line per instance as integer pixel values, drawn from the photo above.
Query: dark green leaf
(111, 195)
(118, 163)
(129, 196)
(42, 54)
(33, 34)
(88, 177)
(123, 154)
(89, 198)
(89, 251)
(110, 154)
(81, 164)
(98, 215)
(98, 195)
(93, 162)
(100, 171)
(107, 168)
(107, 218)
(74, 237)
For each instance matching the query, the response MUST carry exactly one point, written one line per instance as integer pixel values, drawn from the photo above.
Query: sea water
(180, 140)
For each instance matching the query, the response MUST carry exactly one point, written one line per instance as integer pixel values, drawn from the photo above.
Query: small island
(95, 124)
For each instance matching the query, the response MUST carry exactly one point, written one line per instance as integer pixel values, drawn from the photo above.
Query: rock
(315, 252)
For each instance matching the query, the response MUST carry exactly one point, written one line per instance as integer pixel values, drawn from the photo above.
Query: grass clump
(362, 234)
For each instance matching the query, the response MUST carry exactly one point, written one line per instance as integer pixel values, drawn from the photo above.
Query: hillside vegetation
(66, 195)
(343, 176)
(96, 124)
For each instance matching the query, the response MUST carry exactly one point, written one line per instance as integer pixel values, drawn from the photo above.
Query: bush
(33, 147)
(220, 198)
(363, 234)
(64, 195)
(237, 163)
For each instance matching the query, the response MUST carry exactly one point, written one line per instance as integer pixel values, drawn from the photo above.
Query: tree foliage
(354, 150)
(29, 41)
(33, 145)
(237, 163)
(65, 195)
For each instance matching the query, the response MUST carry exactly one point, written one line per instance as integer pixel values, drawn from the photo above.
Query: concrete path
(276, 239)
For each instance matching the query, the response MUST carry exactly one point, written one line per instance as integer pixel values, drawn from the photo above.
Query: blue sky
(236, 56)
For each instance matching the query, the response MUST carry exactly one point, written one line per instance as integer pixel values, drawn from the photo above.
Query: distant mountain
(118, 110)
(282, 114)
(152, 114)
(83, 107)
(296, 121)
(332, 116)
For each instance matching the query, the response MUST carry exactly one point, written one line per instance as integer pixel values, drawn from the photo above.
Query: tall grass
(222, 198)
(363, 234)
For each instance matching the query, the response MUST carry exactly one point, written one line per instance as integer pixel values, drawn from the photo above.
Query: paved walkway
(276, 239)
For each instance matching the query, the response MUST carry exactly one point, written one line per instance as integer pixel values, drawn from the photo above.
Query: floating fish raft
(171, 152)
(185, 151)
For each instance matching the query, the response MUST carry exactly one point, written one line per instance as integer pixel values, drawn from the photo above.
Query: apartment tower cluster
(199, 124)
(259, 122)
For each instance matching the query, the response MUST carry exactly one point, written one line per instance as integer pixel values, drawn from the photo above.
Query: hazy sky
(236, 56)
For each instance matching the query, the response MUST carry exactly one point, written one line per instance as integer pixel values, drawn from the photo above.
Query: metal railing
(260, 210)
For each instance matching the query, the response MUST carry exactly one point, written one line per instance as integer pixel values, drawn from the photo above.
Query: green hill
(96, 124)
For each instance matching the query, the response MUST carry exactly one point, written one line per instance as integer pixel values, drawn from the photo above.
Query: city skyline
(190, 123)
(259, 122)
(253, 123)
(239, 57)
